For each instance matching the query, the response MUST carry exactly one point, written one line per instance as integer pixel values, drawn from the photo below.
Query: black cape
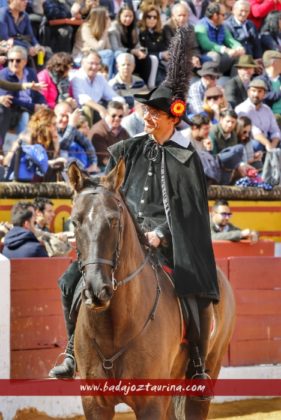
(187, 216)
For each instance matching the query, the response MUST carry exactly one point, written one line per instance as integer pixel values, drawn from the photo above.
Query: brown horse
(129, 324)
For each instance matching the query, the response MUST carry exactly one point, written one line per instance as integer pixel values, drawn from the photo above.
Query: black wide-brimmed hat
(170, 96)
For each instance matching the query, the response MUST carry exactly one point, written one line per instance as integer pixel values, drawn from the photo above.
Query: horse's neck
(132, 302)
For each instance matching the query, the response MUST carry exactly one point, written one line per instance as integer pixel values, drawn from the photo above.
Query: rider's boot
(67, 369)
(198, 352)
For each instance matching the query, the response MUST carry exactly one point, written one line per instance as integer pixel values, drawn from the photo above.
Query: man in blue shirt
(15, 24)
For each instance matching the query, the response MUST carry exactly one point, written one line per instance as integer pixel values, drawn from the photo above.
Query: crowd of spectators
(75, 66)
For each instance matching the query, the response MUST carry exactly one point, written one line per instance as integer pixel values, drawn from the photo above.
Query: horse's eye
(74, 222)
(114, 222)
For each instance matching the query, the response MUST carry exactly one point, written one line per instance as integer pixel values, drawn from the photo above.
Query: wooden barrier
(38, 330)
(224, 249)
(257, 287)
(37, 324)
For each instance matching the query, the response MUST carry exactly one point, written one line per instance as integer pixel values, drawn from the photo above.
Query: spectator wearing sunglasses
(223, 230)
(15, 113)
(108, 131)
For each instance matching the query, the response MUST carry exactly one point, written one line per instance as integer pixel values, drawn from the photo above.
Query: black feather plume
(179, 65)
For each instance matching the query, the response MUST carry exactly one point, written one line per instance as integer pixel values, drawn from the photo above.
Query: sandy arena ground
(262, 409)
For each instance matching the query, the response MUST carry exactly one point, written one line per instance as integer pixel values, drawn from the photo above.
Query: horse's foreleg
(157, 409)
(93, 411)
(196, 410)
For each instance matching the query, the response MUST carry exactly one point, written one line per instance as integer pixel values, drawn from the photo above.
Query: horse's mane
(95, 181)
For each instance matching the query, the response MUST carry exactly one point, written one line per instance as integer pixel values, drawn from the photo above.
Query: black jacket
(186, 219)
(22, 243)
(235, 92)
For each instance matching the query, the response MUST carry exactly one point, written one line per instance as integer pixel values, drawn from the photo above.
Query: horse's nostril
(106, 293)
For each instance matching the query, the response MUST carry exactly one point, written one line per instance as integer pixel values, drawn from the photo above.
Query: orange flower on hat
(178, 108)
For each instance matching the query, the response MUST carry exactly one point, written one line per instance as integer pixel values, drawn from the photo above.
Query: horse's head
(97, 216)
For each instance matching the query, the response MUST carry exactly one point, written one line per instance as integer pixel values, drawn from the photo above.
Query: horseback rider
(165, 189)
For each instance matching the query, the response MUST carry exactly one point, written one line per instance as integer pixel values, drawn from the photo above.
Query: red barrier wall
(257, 286)
(38, 331)
(37, 324)
(224, 249)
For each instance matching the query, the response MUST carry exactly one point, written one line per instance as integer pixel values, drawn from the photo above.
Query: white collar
(178, 138)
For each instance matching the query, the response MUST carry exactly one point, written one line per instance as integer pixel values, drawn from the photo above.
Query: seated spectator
(179, 18)
(260, 9)
(235, 89)
(214, 103)
(90, 88)
(219, 168)
(270, 33)
(125, 83)
(44, 214)
(198, 131)
(16, 28)
(223, 230)
(57, 37)
(152, 38)
(244, 135)
(215, 40)
(20, 241)
(108, 131)
(272, 78)
(70, 137)
(93, 34)
(243, 30)
(124, 37)
(223, 134)
(134, 123)
(41, 130)
(197, 10)
(228, 4)
(24, 102)
(55, 76)
(209, 75)
(265, 130)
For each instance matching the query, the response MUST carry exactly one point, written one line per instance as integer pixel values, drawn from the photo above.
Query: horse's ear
(115, 178)
(76, 177)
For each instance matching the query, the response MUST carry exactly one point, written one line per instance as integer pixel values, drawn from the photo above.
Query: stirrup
(66, 355)
(202, 376)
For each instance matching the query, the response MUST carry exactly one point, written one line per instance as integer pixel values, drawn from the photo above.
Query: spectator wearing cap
(214, 103)
(215, 40)
(265, 129)
(243, 30)
(235, 89)
(272, 78)
(209, 75)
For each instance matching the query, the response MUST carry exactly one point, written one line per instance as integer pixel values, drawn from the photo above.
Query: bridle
(107, 363)
(114, 262)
